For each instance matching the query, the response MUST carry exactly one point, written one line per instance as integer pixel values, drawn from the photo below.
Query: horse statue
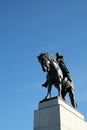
(55, 77)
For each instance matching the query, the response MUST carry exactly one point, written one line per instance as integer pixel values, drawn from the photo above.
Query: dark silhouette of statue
(57, 75)
(66, 73)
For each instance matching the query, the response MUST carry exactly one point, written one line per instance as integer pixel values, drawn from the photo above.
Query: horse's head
(45, 63)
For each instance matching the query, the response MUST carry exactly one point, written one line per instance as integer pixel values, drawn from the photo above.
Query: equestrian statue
(57, 75)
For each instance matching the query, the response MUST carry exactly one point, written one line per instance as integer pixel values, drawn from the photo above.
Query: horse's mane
(49, 57)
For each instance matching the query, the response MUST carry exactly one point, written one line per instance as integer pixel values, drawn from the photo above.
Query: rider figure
(60, 60)
(66, 73)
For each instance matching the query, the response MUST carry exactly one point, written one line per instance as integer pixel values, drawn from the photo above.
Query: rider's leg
(69, 77)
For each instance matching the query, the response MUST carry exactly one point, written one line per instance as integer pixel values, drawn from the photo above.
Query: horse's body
(55, 77)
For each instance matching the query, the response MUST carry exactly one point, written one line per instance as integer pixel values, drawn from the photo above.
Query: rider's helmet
(59, 57)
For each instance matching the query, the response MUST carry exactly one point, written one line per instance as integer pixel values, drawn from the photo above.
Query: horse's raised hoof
(44, 85)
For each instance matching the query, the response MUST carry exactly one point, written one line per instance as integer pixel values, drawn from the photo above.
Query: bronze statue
(57, 75)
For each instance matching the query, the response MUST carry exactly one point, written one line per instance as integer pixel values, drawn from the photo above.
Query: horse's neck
(56, 65)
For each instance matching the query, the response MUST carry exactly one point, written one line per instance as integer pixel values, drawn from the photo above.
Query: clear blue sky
(27, 28)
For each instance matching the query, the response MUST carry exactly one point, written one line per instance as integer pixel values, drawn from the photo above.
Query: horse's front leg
(59, 89)
(49, 91)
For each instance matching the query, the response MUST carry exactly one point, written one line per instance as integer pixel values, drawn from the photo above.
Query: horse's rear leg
(72, 98)
(63, 93)
(60, 90)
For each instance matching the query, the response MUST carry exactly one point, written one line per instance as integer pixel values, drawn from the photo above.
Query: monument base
(55, 114)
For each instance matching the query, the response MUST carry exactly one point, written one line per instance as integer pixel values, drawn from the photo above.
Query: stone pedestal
(55, 114)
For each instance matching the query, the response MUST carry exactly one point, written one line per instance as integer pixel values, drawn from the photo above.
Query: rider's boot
(69, 78)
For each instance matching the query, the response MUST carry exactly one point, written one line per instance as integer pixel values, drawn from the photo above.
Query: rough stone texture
(55, 114)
